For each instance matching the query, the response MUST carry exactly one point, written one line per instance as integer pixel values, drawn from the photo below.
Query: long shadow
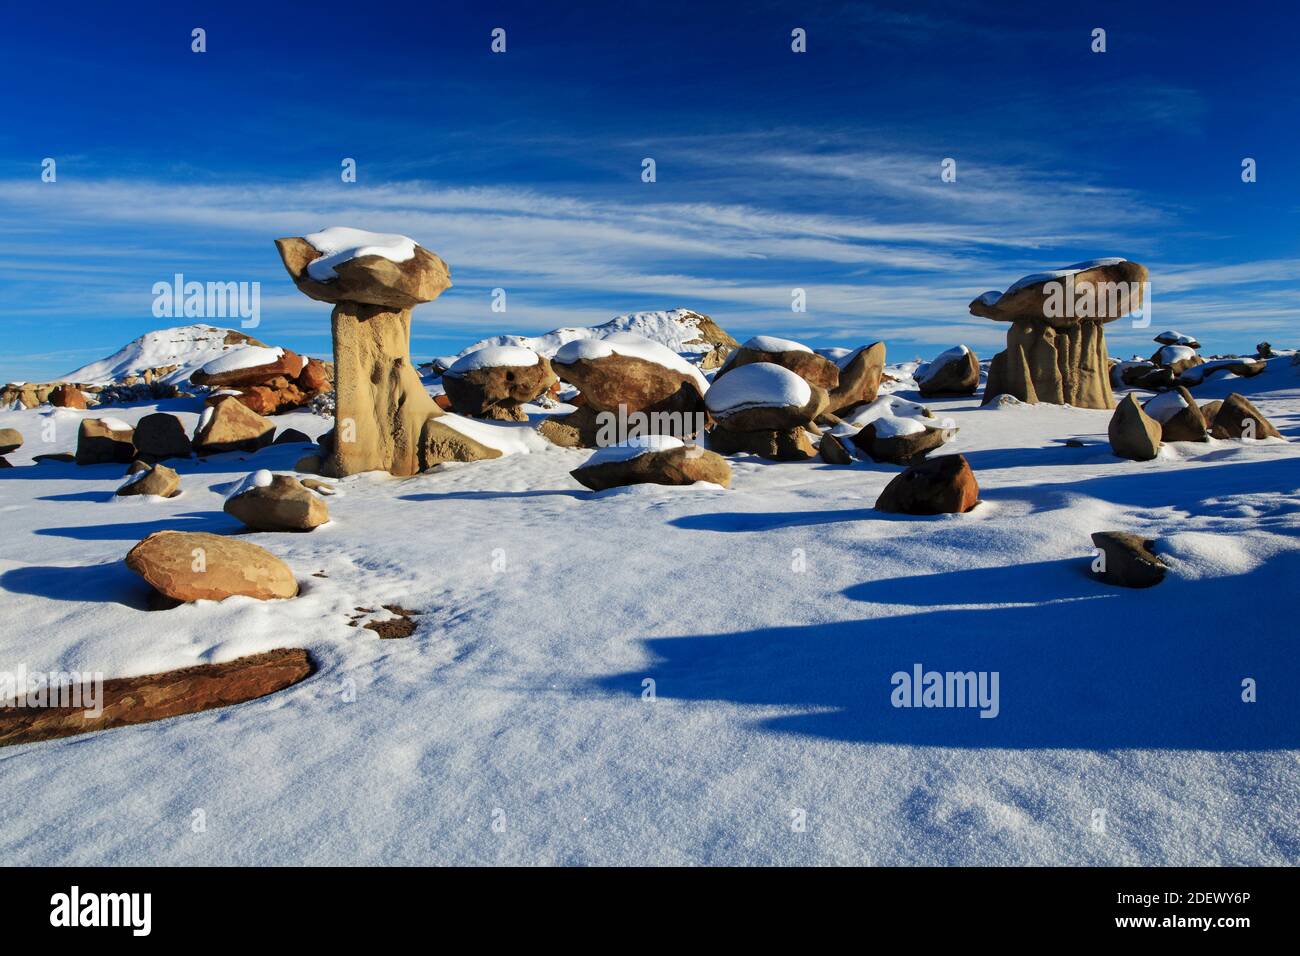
(1084, 665)
(214, 522)
(111, 583)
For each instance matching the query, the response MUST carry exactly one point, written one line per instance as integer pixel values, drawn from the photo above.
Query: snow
(772, 344)
(114, 424)
(678, 330)
(1172, 337)
(886, 410)
(190, 347)
(494, 356)
(1170, 354)
(509, 438)
(757, 385)
(1165, 406)
(521, 697)
(250, 356)
(254, 479)
(632, 448)
(889, 426)
(1056, 274)
(340, 244)
(631, 345)
(925, 372)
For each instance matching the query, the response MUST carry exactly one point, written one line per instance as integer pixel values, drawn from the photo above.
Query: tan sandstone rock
(155, 480)
(67, 396)
(681, 465)
(859, 381)
(807, 364)
(1133, 434)
(11, 439)
(103, 440)
(955, 372)
(229, 425)
(197, 566)
(496, 381)
(266, 502)
(1128, 560)
(1231, 418)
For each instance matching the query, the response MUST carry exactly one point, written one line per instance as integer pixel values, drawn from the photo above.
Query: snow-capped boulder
(444, 442)
(496, 381)
(1176, 358)
(229, 425)
(197, 566)
(1172, 337)
(1132, 432)
(652, 459)
(1237, 417)
(798, 358)
(374, 280)
(101, 440)
(250, 365)
(152, 480)
(267, 502)
(1056, 346)
(898, 441)
(629, 370)
(1127, 560)
(942, 485)
(1179, 416)
(1240, 367)
(764, 396)
(160, 436)
(954, 372)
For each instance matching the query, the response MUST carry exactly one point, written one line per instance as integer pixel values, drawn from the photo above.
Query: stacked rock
(764, 409)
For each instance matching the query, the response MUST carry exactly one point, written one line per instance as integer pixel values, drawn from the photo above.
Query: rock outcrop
(267, 502)
(382, 413)
(652, 459)
(197, 566)
(1133, 433)
(1056, 346)
(942, 485)
(497, 381)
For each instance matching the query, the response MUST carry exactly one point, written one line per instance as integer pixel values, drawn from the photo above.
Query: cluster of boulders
(1177, 362)
(497, 381)
(265, 380)
(1136, 431)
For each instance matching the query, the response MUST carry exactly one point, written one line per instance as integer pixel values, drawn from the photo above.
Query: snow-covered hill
(692, 335)
(181, 350)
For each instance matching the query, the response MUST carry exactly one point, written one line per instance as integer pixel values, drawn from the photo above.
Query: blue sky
(775, 170)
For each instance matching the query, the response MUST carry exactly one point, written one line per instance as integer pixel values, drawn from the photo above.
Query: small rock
(943, 485)
(228, 425)
(1133, 433)
(267, 502)
(664, 461)
(882, 444)
(833, 452)
(154, 480)
(1128, 560)
(11, 439)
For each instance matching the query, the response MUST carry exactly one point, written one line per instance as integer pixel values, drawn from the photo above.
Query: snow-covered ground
(517, 725)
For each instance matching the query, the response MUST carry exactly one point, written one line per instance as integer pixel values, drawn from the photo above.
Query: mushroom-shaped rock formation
(812, 368)
(652, 459)
(954, 372)
(382, 412)
(1056, 346)
(496, 381)
(267, 502)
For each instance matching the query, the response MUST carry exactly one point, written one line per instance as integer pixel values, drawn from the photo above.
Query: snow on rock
(759, 385)
(890, 412)
(630, 345)
(1169, 354)
(494, 356)
(770, 343)
(632, 448)
(507, 438)
(927, 371)
(1061, 273)
(682, 331)
(256, 479)
(250, 356)
(1172, 337)
(1165, 405)
(187, 347)
(339, 244)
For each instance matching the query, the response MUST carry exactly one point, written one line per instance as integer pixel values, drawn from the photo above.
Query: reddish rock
(943, 485)
(67, 396)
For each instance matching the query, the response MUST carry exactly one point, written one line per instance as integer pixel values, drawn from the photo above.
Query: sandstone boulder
(11, 439)
(250, 365)
(898, 441)
(788, 444)
(496, 381)
(954, 372)
(1127, 560)
(104, 440)
(1179, 416)
(812, 368)
(1133, 434)
(578, 429)
(229, 425)
(1209, 411)
(161, 436)
(1237, 417)
(440, 442)
(152, 480)
(764, 396)
(628, 371)
(267, 502)
(67, 396)
(652, 459)
(197, 566)
(832, 451)
(860, 375)
(942, 485)
(1177, 358)
(1172, 337)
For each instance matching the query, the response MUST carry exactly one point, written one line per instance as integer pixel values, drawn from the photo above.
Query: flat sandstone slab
(139, 700)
